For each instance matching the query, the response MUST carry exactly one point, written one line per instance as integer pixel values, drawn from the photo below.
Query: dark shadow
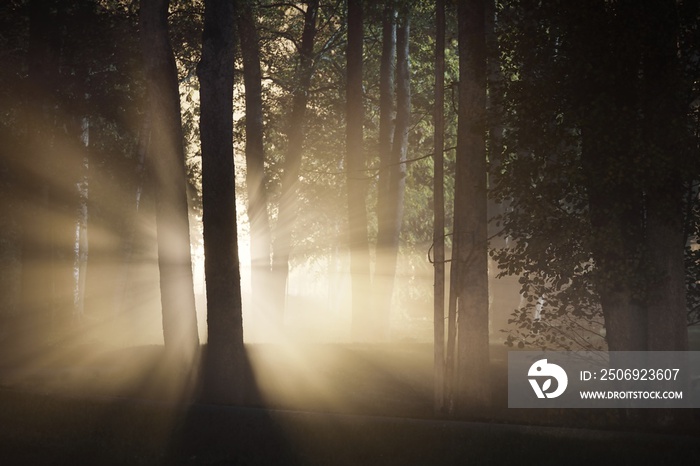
(240, 433)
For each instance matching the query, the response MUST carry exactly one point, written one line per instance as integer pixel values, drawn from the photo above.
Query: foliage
(549, 90)
(319, 228)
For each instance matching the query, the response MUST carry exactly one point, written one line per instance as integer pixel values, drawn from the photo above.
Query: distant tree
(439, 209)
(391, 196)
(288, 204)
(384, 277)
(357, 177)
(386, 112)
(260, 235)
(167, 158)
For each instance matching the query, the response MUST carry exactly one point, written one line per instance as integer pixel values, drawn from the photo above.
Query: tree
(615, 200)
(225, 351)
(287, 210)
(439, 209)
(469, 267)
(391, 215)
(88, 98)
(383, 277)
(601, 156)
(356, 177)
(668, 144)
(166, 154)
(38, 247)
(540, 177)
(260, 236)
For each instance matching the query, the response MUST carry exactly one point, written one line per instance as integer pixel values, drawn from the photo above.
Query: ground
(316, 404)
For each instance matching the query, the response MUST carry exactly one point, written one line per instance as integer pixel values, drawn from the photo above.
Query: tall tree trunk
(470, 250)
(287, 211)
(260, 240)
(667, 140)
(167, 157)
(225, 352)
(37, 235)
(615, 197)
(392, 208)
(356, 176)
(386, 107)
(383, 284)
(439, 210)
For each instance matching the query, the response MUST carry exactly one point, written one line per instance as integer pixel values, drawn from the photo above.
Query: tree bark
(356, 177)
(470, 243)
(260, 239)
(382, 284)
(225, 352)
(37, 275)
(80, 260)
(167, 157)
(667, 140)
(282, 244)
(386, 108)
(392, 208)
(439, 211)
(615, 194)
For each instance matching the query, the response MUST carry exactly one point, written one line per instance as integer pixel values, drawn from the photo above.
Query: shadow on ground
(317, 405)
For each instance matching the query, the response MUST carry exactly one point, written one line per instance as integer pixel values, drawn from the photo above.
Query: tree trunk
(287, 211)
(667, 140)
(470, 243)
(357, 177)
(167, 157)
(81, 229)
(225, 352)
(260, 240)
(37, 226)
(392, 208)
(383, 284)
(439, 211)
(615, 196)
(386, 108)
(121, 296)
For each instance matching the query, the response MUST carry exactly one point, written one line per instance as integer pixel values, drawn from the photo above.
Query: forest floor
(320, 404)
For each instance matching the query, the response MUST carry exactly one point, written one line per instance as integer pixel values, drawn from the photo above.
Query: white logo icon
(543, 369)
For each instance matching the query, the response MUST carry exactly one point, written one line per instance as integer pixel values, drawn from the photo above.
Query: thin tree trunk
(382, 283)
(470, 253)
(121, 303)
(168, 163)
(390, 229)
(451, 345)
(81, 229)
(356, 176)
(439, 211)
(287, 211)
(386, 108)
(260, 239)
